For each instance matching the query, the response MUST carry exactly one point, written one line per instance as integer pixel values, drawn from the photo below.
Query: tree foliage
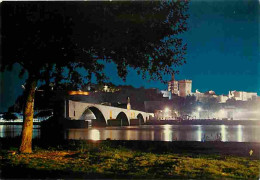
(45, 37)
(43, 114)
(185, 105)
(53, 41)
(211, 104)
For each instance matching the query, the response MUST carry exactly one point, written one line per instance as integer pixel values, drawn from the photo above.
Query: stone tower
(185, 88)
(173, 86)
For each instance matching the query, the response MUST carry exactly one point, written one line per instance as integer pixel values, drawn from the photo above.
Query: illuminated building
(165, 114)
(203, 97)
(241, 95)
(222, 98)
(173, 86)
(167, 94)
(181, 88)
(185, 88)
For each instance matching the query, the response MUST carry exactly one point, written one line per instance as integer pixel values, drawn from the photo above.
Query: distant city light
(78, 93)
(166, 109)
(105, 88)
(222, 111)
(199, 108)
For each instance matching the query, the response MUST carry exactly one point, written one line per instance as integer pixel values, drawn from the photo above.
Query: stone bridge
(102, 115)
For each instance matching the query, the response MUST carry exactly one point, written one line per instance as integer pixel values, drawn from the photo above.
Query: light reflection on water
(239, 133)
(199, 132)
(15, 131)
(223, 133)
(94, 134)
(235, 133)
(167, 132)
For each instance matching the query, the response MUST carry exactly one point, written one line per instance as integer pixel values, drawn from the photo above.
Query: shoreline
(203, 122)
(240, 149)
(18, 123)
(175, 122)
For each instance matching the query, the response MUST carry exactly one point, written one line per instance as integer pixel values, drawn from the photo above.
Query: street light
(199, 109)
(105, 88)
(222, 113)
(166, 110)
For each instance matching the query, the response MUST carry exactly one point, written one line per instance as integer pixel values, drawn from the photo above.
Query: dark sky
(223, 48)
(223, 52)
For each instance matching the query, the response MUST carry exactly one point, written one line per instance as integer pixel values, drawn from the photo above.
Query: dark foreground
(131, 159)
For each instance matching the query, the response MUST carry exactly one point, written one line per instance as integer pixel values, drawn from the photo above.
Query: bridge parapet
(88, 111)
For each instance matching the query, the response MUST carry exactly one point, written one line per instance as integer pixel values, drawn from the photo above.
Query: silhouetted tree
(52, 41)
(44, 114)
(211, 104)
(186, 105)
(9, 116)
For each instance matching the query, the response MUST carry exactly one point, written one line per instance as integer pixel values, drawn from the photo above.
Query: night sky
(223, 52)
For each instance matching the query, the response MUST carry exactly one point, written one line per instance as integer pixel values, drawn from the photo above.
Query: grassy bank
(107, 159)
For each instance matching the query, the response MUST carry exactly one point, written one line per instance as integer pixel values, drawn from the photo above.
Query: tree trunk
(27, 131)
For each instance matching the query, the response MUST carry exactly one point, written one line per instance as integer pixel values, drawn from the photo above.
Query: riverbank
(204, 122)
(175, 122)
(131, 159)
(17, 123)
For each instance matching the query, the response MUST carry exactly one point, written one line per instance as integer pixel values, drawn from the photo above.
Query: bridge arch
(123, 118)
(95, 115)
(141, 118)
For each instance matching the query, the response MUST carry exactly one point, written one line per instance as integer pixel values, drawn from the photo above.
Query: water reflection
(236, 133)
(199, 133)
(172, 133)
(128, 135)
(223, 133)
(15, 131)
(239, 133)
(94, 134)
(167, 133)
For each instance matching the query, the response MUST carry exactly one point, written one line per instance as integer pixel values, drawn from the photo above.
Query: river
(231, 133)
(15, 130)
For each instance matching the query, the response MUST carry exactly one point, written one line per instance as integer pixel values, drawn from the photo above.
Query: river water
(15, 130)
(234, 133)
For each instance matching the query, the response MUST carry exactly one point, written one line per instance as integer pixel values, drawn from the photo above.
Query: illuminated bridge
(102, 115)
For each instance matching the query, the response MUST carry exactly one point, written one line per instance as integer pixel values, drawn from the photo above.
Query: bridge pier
(115, 122)
(135, 122)
(76, 124)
